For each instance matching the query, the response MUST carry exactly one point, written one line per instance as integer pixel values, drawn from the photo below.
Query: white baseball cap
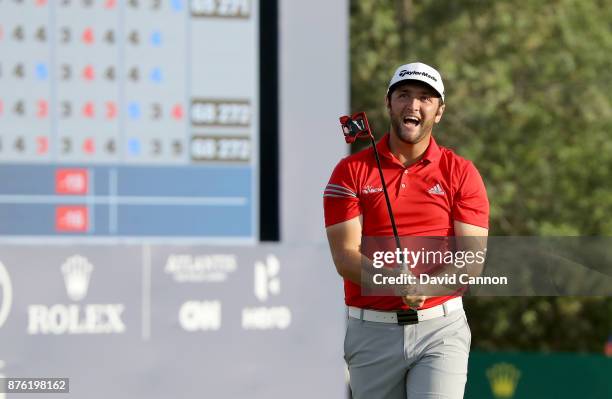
(421, 72)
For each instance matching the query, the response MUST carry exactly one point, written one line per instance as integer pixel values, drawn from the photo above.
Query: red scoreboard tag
(71, 219)
(71, 181)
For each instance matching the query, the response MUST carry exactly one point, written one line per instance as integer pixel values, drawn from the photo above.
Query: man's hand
(414, 302)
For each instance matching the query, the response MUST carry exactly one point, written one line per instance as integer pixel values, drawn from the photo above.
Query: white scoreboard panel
(134, 118)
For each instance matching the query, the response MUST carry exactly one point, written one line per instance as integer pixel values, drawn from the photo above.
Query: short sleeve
(471, 204)
(340, 197)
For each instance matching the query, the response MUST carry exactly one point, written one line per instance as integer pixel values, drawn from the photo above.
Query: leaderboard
(129, 119)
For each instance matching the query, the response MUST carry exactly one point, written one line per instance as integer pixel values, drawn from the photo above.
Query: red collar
(432, 153)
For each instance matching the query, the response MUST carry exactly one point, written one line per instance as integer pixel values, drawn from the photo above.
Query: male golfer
(433, 192)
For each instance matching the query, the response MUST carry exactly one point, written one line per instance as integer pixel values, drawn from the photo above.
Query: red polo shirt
(426, 198)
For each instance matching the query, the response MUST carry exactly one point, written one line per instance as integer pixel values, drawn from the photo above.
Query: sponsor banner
(179, 316)
(513, 375)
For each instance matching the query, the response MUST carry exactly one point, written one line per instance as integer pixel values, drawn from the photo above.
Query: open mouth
(412, 120)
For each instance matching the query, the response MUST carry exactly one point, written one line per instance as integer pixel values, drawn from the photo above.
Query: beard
(409, 133)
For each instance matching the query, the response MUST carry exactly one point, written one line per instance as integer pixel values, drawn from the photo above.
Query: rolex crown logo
(503, 378)
(77, 271)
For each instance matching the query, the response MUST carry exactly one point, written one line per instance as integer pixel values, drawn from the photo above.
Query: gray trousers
(419, 361)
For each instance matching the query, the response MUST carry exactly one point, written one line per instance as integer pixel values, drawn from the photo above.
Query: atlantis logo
(503, 378)
(200, 268)
(76, 319)
(6, 294)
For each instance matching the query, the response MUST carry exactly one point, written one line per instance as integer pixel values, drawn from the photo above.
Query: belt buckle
(409, 316)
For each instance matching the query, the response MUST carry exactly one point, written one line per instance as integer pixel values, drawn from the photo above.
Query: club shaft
(384, 186)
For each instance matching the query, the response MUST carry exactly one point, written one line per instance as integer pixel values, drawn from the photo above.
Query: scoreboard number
(42, 145)
(156, 111)
(110, 146)
(109, 74)
(41, 34)
(109, 37)
(221, 8)
(220, 112)
(232, 149)
(134, 38)
(66, 109)
(66, 71)
(66, 145)
(18, 33)
(177, 147)
(134, 74)
(19, 144)
(19, 71)
(65, 35)
(19, 108)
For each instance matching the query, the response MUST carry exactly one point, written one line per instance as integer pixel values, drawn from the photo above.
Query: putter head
(355, 126)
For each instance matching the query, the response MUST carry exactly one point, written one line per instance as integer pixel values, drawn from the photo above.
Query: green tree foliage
(529, 100)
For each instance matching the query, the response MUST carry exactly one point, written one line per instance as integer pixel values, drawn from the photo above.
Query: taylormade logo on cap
(421, 72)
(405, 72)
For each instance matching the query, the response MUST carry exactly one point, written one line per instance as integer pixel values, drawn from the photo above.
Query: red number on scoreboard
(177, 112)
(88, 110)
(111, 110)
(89, 146)
(42, 145)
(88, 73)
(88, 36)
(42, 109)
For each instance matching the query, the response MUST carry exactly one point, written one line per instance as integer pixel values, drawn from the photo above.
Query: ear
(439, 113)
(387, 103)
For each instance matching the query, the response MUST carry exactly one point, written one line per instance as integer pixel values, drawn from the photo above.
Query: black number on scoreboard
(110, 146)
(156, 111)
(157, 147)
(66, 72)
(134, 38)
(177, 147)
(109, 37)
(66, 145)
(109, 74)
(18, 33)
(19, 108)
(134, 74)
(65, 35)
(66, 109)
(41, 34)
(19, 71)
(19, 144)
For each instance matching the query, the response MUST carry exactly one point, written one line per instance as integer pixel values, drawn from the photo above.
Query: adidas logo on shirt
(436, 190)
